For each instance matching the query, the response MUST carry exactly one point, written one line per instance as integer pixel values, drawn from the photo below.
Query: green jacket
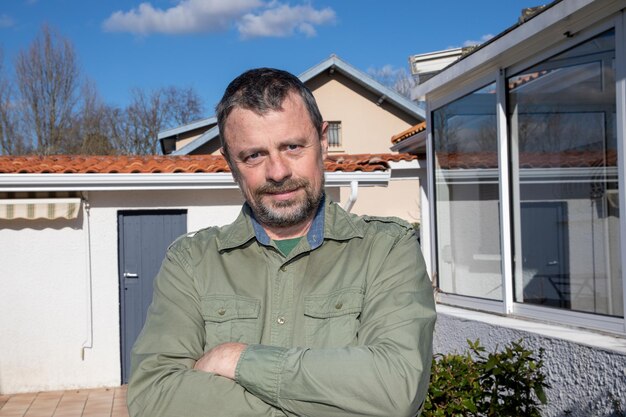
(340, 327)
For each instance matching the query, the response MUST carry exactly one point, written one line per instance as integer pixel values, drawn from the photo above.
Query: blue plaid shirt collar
(315, 235)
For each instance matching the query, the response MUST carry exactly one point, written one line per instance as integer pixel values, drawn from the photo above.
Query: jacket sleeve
(385, 374)
(163, 382)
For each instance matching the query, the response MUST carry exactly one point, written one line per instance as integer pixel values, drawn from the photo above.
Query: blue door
(143, 238)
(545, 253)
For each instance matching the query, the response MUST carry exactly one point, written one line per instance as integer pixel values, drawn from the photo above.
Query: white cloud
(6, 21)
(282, 20)
(187, 16)
(483, 39)
(253, 18)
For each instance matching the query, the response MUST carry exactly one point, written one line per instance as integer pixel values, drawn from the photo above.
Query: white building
(525, 148)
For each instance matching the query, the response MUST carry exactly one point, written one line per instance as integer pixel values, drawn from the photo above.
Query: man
(297, 308)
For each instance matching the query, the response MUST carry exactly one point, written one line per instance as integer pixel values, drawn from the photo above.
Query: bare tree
(48, 80)
(91, 129)
(11, 138)
(152, 111)
(53, 111)
(398, 79)
(184, 105)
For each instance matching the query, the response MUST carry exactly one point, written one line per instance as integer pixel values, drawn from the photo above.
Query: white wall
(45, 313)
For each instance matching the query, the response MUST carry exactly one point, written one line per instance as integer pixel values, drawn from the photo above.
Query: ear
(324, 140)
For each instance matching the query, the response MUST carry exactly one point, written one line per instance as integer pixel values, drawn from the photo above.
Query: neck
(289, 232)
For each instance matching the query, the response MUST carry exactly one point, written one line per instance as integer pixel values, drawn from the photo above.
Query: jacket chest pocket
(230, 318)
(332, 320)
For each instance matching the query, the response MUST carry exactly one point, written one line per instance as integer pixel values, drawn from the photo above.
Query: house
(362, 114)
(81, 239)
(522, 226)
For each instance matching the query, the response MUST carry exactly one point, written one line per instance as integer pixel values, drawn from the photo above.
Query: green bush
(509, 383)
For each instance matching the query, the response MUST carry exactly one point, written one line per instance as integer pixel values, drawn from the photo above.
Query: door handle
(553, 262)
(130, 275)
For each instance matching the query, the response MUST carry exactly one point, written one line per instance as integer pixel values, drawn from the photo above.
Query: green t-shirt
(287, 245)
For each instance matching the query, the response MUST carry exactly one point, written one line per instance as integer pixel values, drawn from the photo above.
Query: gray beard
(304, 209)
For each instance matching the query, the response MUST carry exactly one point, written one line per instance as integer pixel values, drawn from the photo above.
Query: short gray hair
(262, 90)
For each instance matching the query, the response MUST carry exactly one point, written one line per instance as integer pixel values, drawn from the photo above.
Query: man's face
(277, 160)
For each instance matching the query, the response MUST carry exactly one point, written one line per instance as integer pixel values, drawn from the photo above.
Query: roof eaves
(445, 75)
(206, 137)
(412, 144)
(185, 128)
(366, 81)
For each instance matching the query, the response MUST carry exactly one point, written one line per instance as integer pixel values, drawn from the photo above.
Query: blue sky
(203, 44)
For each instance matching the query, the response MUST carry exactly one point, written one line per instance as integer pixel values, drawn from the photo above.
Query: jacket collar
(330, 222)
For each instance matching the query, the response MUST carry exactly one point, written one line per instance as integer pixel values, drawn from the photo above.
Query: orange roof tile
(364, 162)
(566, 159)
(420, 127)
(82, 164)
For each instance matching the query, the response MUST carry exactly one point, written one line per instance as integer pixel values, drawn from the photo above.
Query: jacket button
(281, 320)
(283, 268)
(221, 311)
(339, 305)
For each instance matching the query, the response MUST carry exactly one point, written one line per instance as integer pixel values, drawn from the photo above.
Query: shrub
(509, 383)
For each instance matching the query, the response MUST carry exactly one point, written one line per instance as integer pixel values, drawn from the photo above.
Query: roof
(186, 128)
(167, 138)
(337, 64)
(405, 134)
(554, 20)
(189, 164)
(331, 63)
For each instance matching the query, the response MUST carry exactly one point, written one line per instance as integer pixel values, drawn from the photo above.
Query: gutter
(354, 192)
(170, 181)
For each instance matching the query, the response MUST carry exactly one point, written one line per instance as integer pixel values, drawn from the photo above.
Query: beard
(290, 212)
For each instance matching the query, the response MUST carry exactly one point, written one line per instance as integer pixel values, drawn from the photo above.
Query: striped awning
(39, 208)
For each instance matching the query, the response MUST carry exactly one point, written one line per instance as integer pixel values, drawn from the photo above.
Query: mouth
(283, 194)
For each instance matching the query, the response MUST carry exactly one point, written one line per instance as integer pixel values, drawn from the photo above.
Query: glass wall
(467, 196)
(562, 125)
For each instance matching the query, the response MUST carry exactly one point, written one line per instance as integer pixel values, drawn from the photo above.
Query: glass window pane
(467, 196)
(563, 130)
(333, 133)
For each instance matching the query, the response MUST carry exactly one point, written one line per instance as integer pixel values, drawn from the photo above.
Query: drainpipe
(354, 191)
(89, 342)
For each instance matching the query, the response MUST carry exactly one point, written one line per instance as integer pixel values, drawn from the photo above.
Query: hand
(221, 360)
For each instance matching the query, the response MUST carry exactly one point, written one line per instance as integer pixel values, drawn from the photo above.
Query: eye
(252, 157)
(293, 147)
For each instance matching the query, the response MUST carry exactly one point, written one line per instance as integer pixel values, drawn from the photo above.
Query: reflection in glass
(563, 131)
(467, 192)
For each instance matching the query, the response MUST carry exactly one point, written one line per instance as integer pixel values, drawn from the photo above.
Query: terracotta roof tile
(566, 159)
(367, 162)
(413, 130)
(81, 164)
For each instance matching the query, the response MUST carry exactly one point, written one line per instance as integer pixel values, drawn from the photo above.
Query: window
(562, 118)
(467, 196)
(334, 135)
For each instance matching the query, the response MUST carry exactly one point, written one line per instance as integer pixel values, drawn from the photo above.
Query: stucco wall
(400, 199)
(45, 314)
(366, 126)
(584, 380)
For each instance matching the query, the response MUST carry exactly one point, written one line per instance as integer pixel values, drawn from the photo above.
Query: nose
(277, 168)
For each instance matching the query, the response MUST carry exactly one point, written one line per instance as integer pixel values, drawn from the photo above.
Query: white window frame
(508, 306)
(335, 125)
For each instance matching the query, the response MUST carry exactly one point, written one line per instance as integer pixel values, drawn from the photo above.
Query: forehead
(292, 119)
